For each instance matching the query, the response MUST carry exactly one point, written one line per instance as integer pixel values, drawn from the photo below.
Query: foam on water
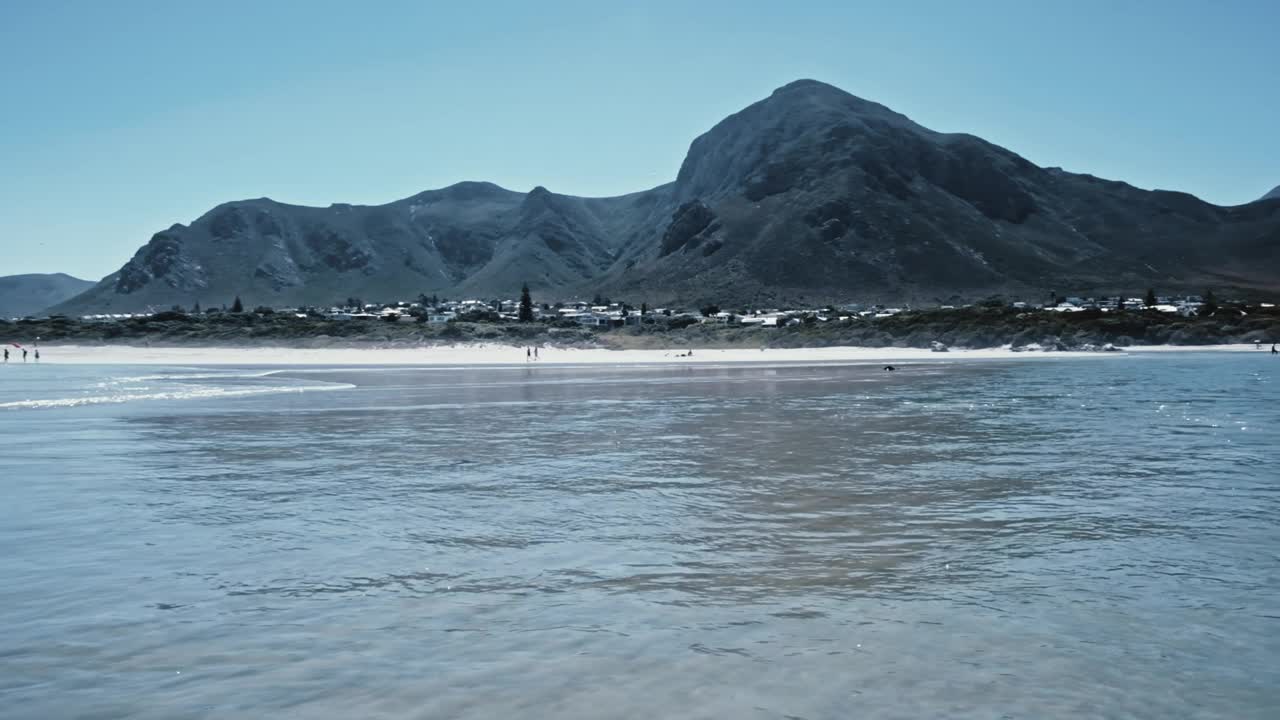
(49, 387)
(189, 376)
(187, 394)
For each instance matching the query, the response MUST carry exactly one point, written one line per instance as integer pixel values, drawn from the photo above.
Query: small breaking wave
(181, 394)
(177, 377)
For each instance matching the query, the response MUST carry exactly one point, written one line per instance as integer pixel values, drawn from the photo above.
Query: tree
(195, 309)
(1210, 305)
(644, 309)
(709, 310)
(597, 300)
(526, 304)
(1119, 302)
(237, 306)
(1150, 299)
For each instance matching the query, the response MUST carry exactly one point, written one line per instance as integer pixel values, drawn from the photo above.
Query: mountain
(814, 193)
(472, 237)
(22, 295)
(810, 195)
(1273, 195)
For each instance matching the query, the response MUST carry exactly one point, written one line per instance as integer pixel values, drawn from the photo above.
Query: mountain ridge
(29, 294)
(808, 194)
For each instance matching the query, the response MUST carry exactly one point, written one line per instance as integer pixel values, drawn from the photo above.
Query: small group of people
(530, 354)
(24, 353)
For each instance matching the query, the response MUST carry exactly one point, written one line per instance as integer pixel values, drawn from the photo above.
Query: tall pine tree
(526, 304)
(237, 306)
(1210, 305)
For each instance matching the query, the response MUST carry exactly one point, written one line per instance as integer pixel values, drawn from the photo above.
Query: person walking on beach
(528, 354)
(6, 356)
(24, 354)
(37, 354)
(1273, 349)
(535, 354)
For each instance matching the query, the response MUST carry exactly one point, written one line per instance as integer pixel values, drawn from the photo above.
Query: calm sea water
(1092, 537)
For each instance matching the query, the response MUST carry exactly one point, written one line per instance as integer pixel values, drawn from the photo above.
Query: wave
(183, 394)
(189, 376)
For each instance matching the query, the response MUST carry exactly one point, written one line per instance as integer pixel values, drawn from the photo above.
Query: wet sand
(508, 355)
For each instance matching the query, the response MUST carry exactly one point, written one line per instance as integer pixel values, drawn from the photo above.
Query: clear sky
(120, 118)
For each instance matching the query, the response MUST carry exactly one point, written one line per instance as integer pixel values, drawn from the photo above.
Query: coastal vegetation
(979, 326)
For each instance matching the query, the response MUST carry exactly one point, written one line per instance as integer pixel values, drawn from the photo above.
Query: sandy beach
(507, 355)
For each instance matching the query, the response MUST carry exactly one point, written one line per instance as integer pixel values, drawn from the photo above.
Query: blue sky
(118, 119)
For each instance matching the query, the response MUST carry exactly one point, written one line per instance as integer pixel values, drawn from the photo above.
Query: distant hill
(810, 195)
(471, 238)
(22, 295)
(1273, 195)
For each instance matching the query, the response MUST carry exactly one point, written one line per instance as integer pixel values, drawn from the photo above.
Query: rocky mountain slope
(810, 195)
(1273, 195)
(470, 238)
(817, 194)
(22, 295)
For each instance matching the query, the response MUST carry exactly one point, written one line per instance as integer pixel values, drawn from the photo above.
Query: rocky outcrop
(691, 223)
(164, 260)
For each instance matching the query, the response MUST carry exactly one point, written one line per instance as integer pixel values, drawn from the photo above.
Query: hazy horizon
(126, 119)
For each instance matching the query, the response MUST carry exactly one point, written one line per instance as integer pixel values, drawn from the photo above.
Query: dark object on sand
(889, 368)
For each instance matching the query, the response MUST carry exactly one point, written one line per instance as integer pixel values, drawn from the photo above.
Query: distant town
(1057, 323)
(603, 313)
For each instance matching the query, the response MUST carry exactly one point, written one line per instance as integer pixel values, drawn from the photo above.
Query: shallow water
(1031, 538)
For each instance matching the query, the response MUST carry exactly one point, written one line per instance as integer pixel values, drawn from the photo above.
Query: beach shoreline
(507, 355)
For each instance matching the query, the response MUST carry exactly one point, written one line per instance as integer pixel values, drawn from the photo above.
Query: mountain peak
(1273, 195)
(476, 188)
(808, 85)
(758, 145)
(818, 96)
